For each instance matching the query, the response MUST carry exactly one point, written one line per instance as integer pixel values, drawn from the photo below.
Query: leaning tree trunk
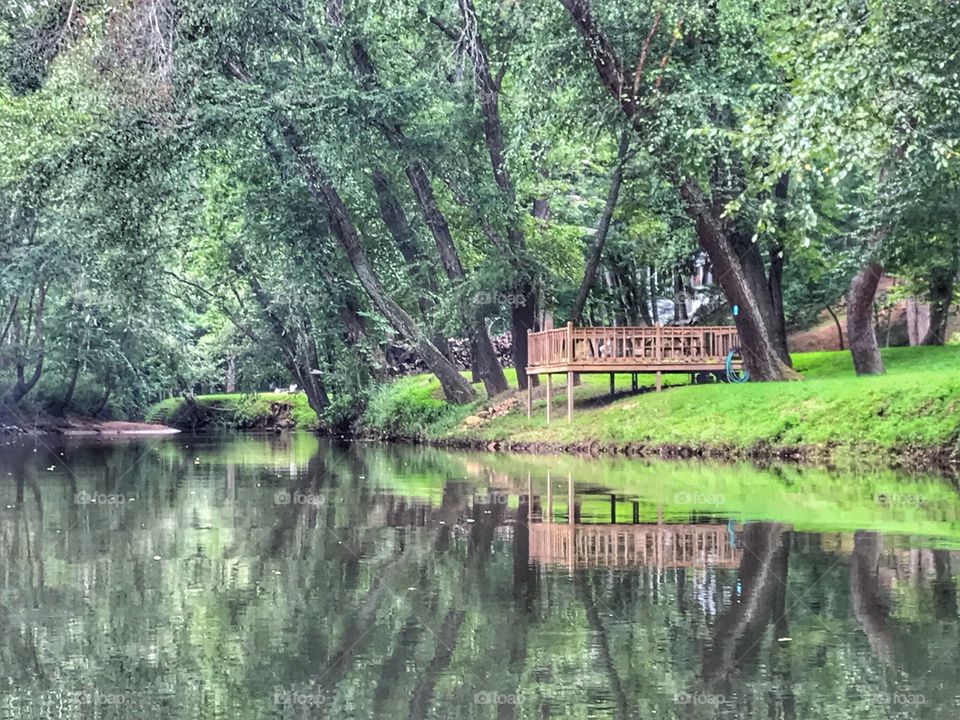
(487, 90)
(743, 287)
(481, 346)
(483, 355)
(603, 229)
(417, 264)
(861, 332)
(456, 389)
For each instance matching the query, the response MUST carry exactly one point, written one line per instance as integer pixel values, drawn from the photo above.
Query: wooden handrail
(661, 345)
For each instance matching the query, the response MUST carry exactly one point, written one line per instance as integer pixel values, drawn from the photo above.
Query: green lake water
(288, 577)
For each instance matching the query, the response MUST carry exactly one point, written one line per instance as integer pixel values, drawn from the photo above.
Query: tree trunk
(603, 228)
(866, 593)
(61, 406)
(23, 385)
(107, 389)
(456, 389)
(483, 355)
(487, 88)
(651, 286)
(482, 350)
(778, 322)
(918, 320)
(760, 350)
(861, 332)
(418, 268)
(836, 321)
(230, 381)
(522, 318)
(679, 299)
(940, 297)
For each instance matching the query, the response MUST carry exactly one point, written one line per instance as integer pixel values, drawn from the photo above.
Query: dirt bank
(81, 426)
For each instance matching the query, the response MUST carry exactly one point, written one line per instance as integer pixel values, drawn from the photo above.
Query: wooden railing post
(571, 355)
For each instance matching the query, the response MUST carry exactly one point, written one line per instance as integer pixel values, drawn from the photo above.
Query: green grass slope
(914, 405)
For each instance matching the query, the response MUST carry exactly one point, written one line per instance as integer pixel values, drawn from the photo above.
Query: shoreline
(943, 461)
(85, 427)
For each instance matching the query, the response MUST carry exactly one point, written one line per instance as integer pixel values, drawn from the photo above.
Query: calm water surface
(283, 577)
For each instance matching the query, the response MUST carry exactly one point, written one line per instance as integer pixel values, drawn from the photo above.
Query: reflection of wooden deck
(570, 350)
(660, 546)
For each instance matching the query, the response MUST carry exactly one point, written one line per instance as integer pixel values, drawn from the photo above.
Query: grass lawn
(915, 404)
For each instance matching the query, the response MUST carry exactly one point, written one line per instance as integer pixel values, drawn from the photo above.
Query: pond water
(285, 577)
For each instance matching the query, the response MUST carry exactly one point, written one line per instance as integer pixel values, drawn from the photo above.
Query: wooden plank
(549, 395)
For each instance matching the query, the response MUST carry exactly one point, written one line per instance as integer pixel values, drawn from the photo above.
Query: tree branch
(643, 54)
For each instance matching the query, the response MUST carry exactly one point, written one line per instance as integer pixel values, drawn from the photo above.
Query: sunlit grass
(914, 404)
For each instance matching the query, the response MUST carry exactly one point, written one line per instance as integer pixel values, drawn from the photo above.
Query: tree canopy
(213, 195)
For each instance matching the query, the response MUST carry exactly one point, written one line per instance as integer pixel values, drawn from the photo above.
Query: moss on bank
(234, 410)
(914, 406)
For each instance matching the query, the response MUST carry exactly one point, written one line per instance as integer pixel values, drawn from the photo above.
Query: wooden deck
(659, 546)
(569, 350)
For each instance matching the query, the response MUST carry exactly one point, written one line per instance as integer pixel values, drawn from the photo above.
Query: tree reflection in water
(284, 577)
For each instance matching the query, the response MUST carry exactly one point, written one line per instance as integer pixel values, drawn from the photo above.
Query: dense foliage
(203, 196)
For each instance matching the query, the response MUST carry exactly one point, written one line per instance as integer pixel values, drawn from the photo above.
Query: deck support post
(633, 381)
(613, 383)
(549, 395)
(569, 397)
(659, 380)
(530, 395)
(549, 517)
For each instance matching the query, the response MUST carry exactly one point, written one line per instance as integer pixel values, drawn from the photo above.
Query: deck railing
(659, 546)
(570, 346)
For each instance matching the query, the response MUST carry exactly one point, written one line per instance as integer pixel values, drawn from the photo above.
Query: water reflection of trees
(381, 617)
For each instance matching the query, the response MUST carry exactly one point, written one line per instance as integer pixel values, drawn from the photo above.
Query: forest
(216, 196)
